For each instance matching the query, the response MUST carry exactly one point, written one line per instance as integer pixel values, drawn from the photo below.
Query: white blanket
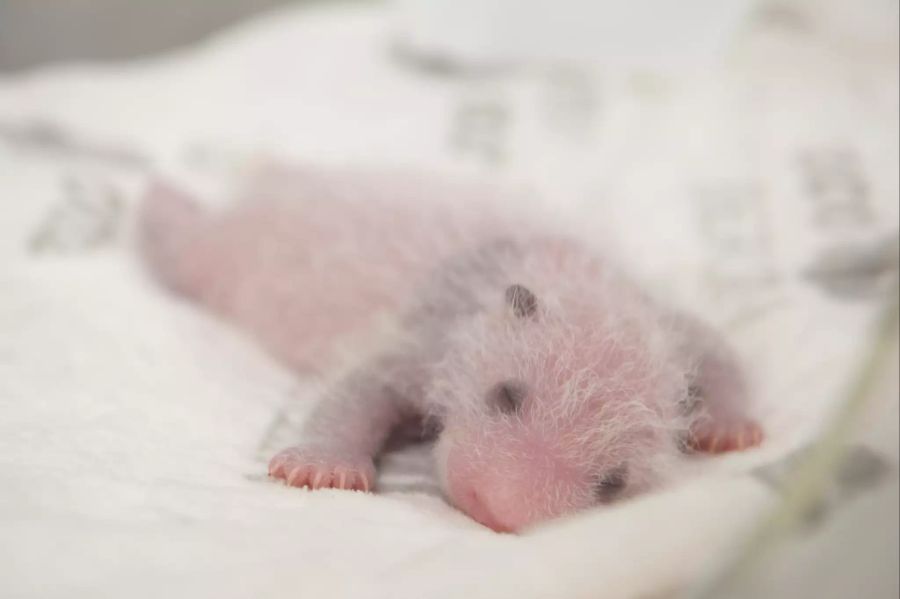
(134, 430)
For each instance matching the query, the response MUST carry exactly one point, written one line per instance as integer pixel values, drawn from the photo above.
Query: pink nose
(514, 494)
(479, 511)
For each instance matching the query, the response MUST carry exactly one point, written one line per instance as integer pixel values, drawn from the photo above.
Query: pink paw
(318, 468)
(722, 437)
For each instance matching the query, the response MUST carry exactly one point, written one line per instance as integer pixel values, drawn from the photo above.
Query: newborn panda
(556, 382)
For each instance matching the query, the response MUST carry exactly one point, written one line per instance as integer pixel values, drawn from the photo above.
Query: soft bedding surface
(135, 430)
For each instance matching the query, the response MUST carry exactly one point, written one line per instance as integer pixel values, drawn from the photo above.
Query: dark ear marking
(507, 397)
(521, 300)
(611, 484)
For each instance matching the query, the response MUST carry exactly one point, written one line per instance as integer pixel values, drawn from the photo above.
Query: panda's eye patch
(507, 397)
(611, 483)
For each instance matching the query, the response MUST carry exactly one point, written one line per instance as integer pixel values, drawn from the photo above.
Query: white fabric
(134, 430)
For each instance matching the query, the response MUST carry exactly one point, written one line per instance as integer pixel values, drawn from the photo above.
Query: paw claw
(719, 437)
(318, 479)
(276, 466)
(756, 436)
(296, 477)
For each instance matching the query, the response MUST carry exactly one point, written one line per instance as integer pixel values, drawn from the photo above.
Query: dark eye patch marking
(432, 427)
(521, 300)
(507, 397)
(611, 484)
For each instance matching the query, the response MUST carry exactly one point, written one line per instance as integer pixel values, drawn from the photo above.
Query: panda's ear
(522, 301)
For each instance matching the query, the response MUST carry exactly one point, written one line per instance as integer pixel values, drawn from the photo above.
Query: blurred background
(35, 33)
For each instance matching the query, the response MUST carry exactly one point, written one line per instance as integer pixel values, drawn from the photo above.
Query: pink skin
(599, 397)
(515, 502)
(560, 384)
